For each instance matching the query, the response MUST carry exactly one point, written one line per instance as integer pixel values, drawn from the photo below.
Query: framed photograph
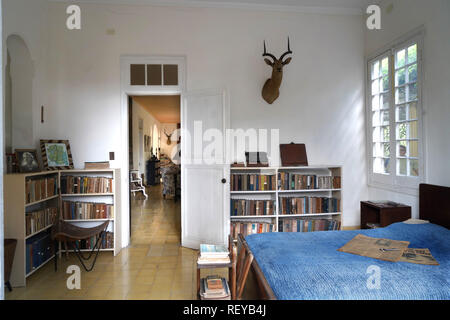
(27, 160)
(56, 154)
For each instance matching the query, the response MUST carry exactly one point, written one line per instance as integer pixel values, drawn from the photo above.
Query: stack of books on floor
(214, 288)
(213, 254)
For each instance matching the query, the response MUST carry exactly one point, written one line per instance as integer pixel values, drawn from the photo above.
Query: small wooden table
(383, 214)
(231, 269)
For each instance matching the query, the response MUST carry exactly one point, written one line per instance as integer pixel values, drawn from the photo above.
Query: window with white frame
(394, 115)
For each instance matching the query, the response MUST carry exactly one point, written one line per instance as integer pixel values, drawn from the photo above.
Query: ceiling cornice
(225, 5)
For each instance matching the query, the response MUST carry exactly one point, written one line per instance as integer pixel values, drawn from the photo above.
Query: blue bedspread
(308, 265)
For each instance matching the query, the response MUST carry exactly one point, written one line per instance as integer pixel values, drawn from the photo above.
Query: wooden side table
(231, 269)
(383, 214)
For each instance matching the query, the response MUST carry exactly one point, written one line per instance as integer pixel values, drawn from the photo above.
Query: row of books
(308, 225)
(306, 205)
(40, 189)
(252, 182)
(107, 242)
(242, 207)
(250, 227)
(72, 210)
(213, 254)
(293, 181)
(214, 288)
(82, 185)
(38, 249)
(38, 220)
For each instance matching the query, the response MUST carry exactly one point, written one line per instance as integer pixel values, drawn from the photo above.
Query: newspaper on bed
(383, 249)
(419, 256)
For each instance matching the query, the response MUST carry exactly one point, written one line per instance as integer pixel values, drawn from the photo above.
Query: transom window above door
(154, 74)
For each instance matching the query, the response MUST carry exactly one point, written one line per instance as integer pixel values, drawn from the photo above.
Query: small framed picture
(56, 154)
(27, 160)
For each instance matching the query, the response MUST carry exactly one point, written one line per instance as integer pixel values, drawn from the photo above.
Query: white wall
(321, 101)
(434, 15)
(148, 124)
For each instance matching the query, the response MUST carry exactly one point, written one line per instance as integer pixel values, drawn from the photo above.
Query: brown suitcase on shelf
(293, 154)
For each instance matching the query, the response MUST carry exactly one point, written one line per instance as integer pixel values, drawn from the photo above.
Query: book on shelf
(38, 249)
(308, 225)
(244, 207)
(294, 181)
(251, 227)
(96, 165)
(40, 189)
(83, 185)
(72, 210)
(213, 254)
(252, 182)
(214, 288)
(38, 220)
(309, 205)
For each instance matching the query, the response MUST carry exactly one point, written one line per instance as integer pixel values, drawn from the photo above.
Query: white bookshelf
(16, 207)
(108, 198)
(275, 195)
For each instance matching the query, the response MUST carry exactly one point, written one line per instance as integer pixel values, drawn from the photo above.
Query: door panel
(204, 196)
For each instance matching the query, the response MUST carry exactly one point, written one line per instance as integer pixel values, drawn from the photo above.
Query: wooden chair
(244, 262)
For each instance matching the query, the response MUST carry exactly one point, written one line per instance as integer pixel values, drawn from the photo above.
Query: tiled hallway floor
(154, 266)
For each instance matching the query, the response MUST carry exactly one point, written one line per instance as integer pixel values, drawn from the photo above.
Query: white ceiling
(321, 6)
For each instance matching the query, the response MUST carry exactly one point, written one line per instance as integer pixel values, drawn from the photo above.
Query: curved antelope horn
(287, 52)
(265, 54)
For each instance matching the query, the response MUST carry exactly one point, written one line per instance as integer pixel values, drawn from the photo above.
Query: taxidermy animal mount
(169, 141)
(271, 89)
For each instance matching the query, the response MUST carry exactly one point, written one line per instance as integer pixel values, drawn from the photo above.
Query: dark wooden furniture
(10, 250)
(231, 269)
(153, 172)
(383, 214)
(434, 206)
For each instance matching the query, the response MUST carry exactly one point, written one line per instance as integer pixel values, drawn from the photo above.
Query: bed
(310, 267)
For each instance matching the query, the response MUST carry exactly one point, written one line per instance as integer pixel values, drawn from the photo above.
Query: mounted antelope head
(271, 89)
(169, 141)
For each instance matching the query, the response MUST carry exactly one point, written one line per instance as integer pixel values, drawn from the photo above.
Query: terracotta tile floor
(154, 266)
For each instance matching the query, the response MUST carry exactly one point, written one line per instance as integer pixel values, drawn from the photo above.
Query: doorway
(154, 144)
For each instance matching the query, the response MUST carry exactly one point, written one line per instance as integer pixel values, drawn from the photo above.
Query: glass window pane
(376, 118)
(414, 149)
(376, 102)
(385, 66)
(381, 165)
(170, 74)
(400, 59)
(412, 53)
(402, 150)
(413, 134)
(385, 84)
(413, 110)
(137, 74)
(412, 73)
(400, 77)
(386, 149)
(376, 150)
(414, 167)
(412, 91)
(401, 113)
(154, 75)
(384, 101)
(385, 134)
(400, 95)
(384, 118)
(402, 131)
(401, 167)
(375, 87)
(375, 70)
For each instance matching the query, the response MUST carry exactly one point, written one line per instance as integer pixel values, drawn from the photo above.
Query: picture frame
(27, 160)
(56, 154)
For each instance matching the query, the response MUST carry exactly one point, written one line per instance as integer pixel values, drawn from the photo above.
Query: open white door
(204, 179)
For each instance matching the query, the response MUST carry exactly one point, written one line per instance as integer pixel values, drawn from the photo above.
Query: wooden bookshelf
(277, 194)
(16, 207)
